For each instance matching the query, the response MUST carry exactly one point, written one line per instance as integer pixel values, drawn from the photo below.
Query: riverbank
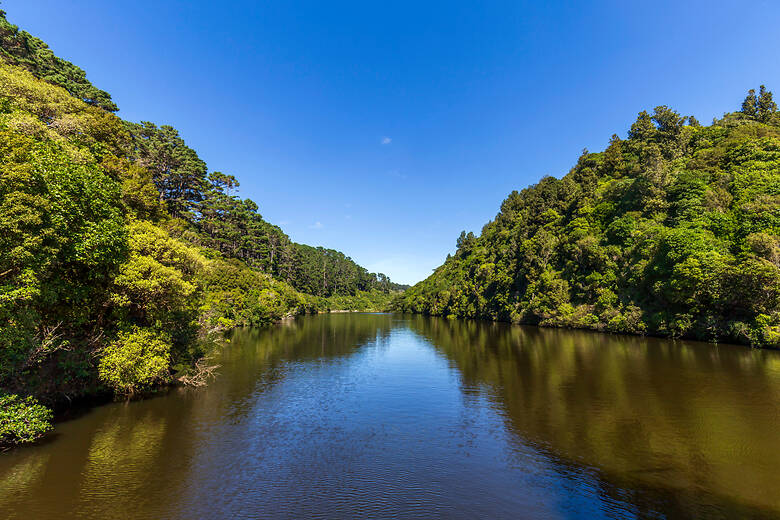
(602, 329)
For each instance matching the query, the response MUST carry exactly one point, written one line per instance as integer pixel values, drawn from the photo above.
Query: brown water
(383, 416)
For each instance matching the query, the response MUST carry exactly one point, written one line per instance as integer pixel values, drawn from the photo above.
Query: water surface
(386, 416)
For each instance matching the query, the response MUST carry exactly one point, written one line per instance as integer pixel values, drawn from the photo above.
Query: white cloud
(386, 140)
(316, 225)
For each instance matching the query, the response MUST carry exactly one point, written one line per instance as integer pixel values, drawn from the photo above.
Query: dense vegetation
(674, 231)
(121, 255)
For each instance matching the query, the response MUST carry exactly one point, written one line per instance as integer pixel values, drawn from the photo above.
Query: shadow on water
(675, 428)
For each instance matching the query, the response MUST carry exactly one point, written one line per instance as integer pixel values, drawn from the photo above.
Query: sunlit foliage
(137, 359)
(22, 420)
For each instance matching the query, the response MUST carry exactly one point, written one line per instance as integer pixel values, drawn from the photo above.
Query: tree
(749, 104)
(765, 106)
(668, 121)
(63, 239)
(140, 197)
(223, 183)
(613, 163)
(157, 285)
(177, 171)
(643, 128)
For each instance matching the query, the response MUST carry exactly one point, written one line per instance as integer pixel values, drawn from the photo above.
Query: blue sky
(383, 129)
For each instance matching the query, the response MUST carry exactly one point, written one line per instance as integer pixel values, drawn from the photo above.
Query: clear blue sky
(383, 129)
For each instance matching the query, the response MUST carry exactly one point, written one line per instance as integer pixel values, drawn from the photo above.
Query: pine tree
(178, 172)
(749, 104)
(765, 106)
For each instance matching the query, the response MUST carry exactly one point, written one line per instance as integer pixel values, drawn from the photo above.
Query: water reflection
(352, 416)
(682, 419)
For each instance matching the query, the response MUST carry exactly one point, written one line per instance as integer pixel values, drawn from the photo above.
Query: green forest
(122, 256)
(673, 231)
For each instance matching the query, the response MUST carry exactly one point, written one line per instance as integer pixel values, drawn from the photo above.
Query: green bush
(22, 420)
(137, 360)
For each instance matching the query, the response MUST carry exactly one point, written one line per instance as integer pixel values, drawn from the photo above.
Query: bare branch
(201, 374)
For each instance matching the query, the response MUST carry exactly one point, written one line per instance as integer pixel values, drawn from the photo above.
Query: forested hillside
(121, 255)
(674, 231)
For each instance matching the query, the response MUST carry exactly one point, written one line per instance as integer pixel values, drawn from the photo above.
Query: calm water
(382, 416)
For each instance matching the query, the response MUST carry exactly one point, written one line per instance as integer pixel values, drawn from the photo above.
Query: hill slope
(673, 231)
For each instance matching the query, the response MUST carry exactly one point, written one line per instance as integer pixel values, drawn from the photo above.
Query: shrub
(136, 360)
(22, 420)
(765, 331)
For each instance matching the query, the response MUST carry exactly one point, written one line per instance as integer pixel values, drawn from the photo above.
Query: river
(389, 416)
